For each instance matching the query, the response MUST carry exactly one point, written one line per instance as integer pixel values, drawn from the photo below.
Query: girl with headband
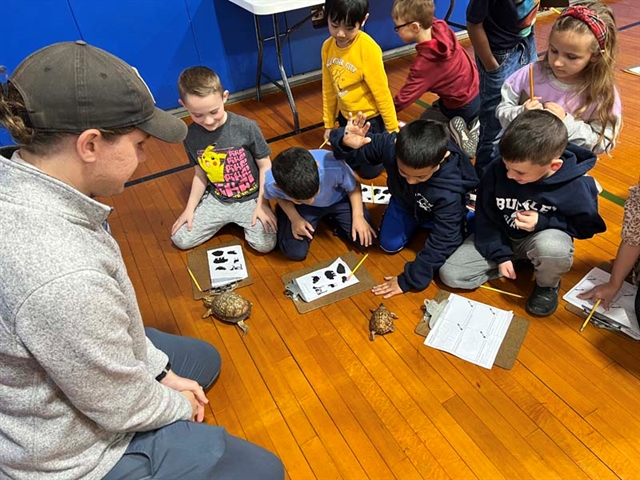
(575, 80)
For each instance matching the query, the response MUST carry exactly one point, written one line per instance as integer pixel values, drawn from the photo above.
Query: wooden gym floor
(313, 389)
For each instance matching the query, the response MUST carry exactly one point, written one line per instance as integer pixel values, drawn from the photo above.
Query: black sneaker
(462, 136)
(543, 301)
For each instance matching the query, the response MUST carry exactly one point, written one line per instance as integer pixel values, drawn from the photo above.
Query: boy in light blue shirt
(310, 186)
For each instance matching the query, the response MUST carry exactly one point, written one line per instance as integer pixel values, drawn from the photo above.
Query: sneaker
(462, 136)
(543, 301)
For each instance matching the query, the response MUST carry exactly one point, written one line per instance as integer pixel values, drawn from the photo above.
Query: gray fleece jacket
(77, 373)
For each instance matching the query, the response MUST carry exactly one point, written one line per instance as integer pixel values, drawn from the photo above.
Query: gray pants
(211, 215)
(550, 251)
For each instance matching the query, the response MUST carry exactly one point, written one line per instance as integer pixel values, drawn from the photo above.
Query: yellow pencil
(531, 81)
(593, 310)
(556, 11)
(194, 278)
(501, 291)
(324, 143)
(357, 266)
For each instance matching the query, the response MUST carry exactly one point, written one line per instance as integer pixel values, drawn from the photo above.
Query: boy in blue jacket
(533, 200)
(428, 178)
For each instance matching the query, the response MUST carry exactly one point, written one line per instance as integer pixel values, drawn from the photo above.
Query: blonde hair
(597, 83)
(420, 11)
(199, 81)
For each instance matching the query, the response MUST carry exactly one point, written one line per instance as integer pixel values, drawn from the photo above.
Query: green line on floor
(612, 198)
(423, 104)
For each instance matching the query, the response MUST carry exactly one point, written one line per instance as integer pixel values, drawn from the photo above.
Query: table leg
(260, 40)
(283, 74)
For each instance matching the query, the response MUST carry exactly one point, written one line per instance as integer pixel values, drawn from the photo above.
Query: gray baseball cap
(72, 87)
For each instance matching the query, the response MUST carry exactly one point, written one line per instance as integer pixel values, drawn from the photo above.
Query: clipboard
(365, 282)
(199, 266)
(510, 347)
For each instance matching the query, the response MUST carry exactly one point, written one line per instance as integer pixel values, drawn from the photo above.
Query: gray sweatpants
(550, 251)
(211, 215)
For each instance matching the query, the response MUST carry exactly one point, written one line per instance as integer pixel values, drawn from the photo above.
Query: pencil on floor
(593, 310)
(193, 277)
(486, 287)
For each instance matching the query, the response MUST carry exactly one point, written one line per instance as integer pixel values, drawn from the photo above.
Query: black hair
(296, 173)
(422, 144)
(348, 11)
(537, 136)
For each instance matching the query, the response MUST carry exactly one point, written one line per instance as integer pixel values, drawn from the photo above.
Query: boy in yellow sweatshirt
(353, 75)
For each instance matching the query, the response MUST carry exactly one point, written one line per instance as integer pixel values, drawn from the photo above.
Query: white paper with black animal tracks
(226, 265)
(375, 194)
(325, 281)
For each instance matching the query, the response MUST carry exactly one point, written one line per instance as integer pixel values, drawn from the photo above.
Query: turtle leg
(244, 327)
(207, 314)
(372, 335)
(392, 328)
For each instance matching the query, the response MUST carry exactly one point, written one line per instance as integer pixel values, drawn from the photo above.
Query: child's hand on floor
(355, 133)
(526, 220)
(389, 288)
(361, 229)
(506, 270)
(301, 228)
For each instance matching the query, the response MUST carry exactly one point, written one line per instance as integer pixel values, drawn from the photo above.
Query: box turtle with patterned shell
(381, 321)
(228, 307)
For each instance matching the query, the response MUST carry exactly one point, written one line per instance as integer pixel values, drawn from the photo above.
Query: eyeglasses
(398, 27)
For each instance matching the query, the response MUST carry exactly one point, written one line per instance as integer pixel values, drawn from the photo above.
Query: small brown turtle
(229, 307)
(381, 321)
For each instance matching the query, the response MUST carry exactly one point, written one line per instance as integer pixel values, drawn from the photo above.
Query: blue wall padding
(162, 37)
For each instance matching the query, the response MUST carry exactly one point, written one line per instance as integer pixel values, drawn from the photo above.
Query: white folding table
(274, 8)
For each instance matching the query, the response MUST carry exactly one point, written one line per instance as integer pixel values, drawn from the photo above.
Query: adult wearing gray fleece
(85, 392)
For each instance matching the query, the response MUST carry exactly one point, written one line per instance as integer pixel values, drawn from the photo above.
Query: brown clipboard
(365, 282)
(510, 347)
(199, 266)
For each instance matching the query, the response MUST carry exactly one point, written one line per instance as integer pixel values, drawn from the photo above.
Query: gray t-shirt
(228, 157)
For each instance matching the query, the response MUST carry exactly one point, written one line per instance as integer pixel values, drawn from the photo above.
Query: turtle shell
(381, 321)
(229, 307)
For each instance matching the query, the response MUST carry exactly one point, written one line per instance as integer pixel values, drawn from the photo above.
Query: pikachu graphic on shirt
(212, 163)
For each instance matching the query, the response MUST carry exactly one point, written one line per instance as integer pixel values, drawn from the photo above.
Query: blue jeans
(339, 215)
(490, 85)
(189, 449)
(397, 227)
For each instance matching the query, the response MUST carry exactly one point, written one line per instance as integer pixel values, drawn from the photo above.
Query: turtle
(381, 321)
(229, 307)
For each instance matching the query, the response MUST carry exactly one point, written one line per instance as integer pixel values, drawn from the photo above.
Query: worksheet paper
(325, 281)
(621, 311)
(470, 330)
(226, 265)
(375, 194)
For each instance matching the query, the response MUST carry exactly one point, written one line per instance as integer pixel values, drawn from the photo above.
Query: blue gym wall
(162, 37)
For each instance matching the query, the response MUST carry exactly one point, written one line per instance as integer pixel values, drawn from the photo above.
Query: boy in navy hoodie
(428, 178)
(533, 200)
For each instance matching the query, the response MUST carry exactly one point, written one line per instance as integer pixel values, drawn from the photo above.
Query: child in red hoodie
(441, 66)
